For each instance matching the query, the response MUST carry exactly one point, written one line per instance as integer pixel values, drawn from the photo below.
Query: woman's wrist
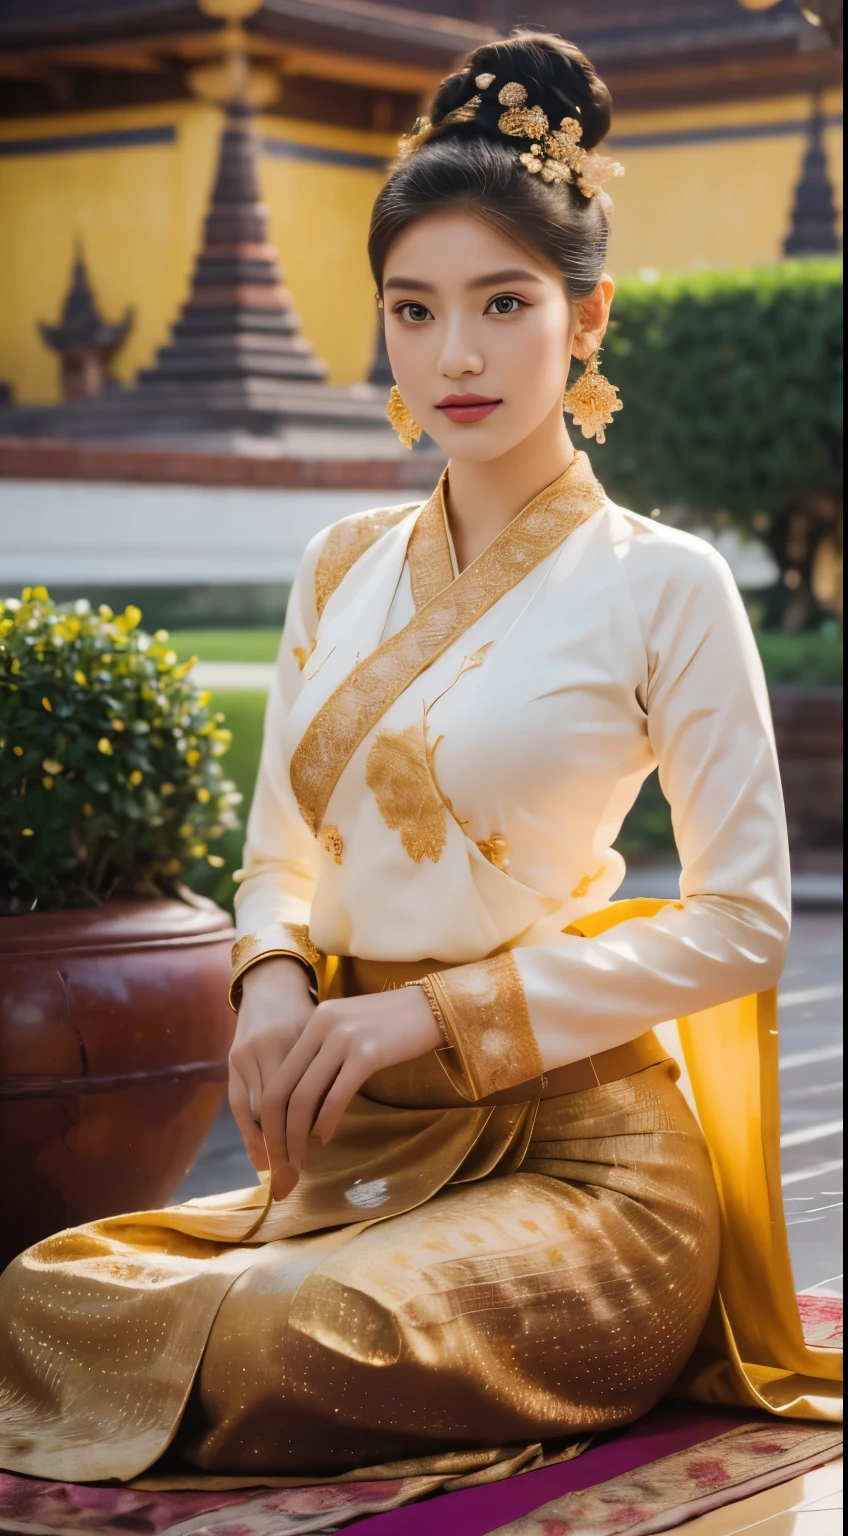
(270, 973)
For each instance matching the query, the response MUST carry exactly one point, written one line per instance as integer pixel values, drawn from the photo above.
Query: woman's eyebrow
(490, 280)
(414, 283)
(510, 275)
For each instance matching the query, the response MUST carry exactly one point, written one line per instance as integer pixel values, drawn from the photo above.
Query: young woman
(487, 1215)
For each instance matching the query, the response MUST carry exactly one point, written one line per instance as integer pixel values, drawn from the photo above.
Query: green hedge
(732, 391)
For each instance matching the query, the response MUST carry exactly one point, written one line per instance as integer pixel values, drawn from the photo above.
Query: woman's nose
(459, 354)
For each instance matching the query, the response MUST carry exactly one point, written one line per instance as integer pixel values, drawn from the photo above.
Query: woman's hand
(275, 1009)
(343, 1043)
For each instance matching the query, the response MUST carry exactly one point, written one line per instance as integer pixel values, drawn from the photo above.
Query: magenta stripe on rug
(479, 1511)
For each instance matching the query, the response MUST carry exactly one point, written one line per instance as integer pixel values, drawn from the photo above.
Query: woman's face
(478, 333)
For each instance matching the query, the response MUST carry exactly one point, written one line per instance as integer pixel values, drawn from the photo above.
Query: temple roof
(427, 37)
(80, 324)
(649, 51)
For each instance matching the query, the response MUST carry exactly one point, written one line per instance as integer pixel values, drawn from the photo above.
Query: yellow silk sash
(752, 1350)
(371, 687)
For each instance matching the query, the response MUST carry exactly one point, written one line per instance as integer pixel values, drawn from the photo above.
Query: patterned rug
(678, 1462)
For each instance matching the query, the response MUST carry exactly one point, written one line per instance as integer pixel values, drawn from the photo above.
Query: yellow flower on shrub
(130, 618)
(106, 690)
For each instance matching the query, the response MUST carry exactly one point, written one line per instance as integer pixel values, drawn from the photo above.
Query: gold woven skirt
(442, 1281)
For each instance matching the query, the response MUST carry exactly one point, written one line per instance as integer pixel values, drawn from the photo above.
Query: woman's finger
(346, 1086)
(251, 1134)
(307, 1097)
(276, 1095)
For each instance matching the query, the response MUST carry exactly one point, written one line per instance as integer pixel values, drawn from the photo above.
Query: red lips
(467, 407)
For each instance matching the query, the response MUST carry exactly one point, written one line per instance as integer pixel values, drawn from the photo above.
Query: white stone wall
(66, 532)
(63, 532)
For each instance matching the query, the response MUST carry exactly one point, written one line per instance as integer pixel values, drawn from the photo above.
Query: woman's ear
(591, 316)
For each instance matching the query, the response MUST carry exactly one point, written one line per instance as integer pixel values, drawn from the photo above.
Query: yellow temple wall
(714, 186)
(705, 186)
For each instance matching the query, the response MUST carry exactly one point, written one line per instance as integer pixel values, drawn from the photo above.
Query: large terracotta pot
(114, 1033)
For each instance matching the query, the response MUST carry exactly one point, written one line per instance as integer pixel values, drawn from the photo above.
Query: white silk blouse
(448, 760)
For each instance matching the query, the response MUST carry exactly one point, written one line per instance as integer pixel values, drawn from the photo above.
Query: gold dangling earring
(402, 419)
(592, 400)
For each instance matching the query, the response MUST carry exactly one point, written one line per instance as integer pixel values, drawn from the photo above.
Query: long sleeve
(277, 880)
(709, 725)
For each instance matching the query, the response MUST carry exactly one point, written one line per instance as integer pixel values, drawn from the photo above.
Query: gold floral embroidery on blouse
(299, 935)
(332, 842)
(495, 849)
(399, 773)
(302, 654)
(242, 948)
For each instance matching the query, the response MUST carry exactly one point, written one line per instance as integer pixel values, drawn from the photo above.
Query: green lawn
(226, 644)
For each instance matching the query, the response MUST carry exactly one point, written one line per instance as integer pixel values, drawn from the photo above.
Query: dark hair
(473, 164)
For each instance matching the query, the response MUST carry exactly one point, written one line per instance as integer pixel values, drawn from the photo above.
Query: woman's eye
(414, 312)
(505, 304)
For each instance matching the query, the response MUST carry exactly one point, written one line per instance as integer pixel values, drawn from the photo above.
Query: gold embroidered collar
(428, 551)
(446, 611)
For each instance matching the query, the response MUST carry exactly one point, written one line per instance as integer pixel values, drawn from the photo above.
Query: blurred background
(191, 375)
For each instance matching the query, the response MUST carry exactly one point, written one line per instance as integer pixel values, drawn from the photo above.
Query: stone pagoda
(237, 374)
(813, 226)
(238, 341)
(85, 342)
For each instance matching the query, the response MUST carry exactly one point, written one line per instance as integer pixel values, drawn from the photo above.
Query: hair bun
(555, 74)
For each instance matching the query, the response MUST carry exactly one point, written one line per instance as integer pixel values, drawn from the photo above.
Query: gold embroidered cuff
(485, 1010)
(427, 988)
(286, 939)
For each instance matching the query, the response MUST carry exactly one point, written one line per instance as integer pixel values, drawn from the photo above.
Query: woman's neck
(482, 499)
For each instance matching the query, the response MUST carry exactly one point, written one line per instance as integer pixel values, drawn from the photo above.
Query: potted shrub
(114, 1022)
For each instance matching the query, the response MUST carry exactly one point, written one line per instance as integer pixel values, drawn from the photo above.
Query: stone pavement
(811, 1096)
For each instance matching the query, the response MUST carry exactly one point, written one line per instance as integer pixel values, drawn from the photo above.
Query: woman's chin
(473, 442)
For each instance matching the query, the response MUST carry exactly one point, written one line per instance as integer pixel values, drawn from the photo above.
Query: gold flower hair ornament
(555, 154)
(422, 130)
